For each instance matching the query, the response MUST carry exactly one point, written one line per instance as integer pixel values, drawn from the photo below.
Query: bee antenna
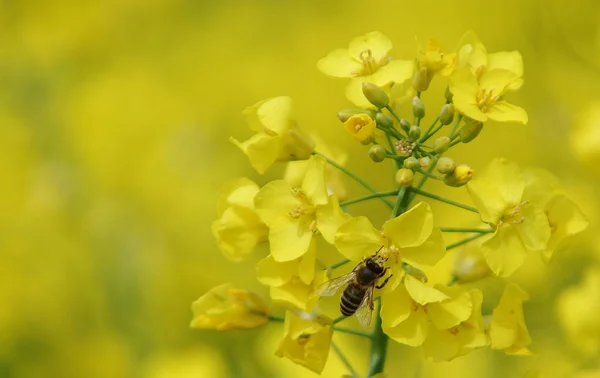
(380, 248)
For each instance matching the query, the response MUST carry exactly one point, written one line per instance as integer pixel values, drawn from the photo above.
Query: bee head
(375, 263)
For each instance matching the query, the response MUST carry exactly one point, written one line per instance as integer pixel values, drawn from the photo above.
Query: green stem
(454, 143)
(427, 134)
(390, 131)
(344, 360)
(338, 264)
(274, 318)
(353, 176)
(379, 342)
(454, 126)
(442, 199)
(459, 229)
(353, 332)
(368, 197)
(393, 113)
(399, 199)
(430, 175)
(339, 319)
(464, 241)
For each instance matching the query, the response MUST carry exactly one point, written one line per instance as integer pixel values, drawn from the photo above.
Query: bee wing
(365, 309)
(332, 286)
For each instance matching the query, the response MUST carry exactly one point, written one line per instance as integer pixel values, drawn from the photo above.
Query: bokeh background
(114, 124)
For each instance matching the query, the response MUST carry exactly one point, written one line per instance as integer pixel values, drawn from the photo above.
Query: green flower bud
(404, 177)
(470, 266)
(424, 162)
(411, 163)
(414, 133)
(405, 124)
(470, 130)
(375, 94)
(447, 114)
(441, 144)
(445, 165)
(448, 94)
(461, 175)
(421, 80)
(384, 120)
(343, 115)
(418, 108)
(377, 153)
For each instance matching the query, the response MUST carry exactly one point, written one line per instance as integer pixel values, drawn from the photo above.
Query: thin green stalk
(399, 198)
(442, 199)
(459, 229)
(454, 143)
(391, 131)
(379, 342)
(393, 148)
(427, 134)
(344, 360)
(454, 126)
(339, 319)
(353, 176)
(338, 264)
(275, 318)
(393, 113)
(368, 197)
(430, 175)
(353, 332)
(464, 241)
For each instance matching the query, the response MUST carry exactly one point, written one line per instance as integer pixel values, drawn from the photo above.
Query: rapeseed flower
(432, 61)
(508, 331)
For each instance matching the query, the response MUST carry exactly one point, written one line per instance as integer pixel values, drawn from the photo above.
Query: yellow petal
(355, 94)
(357, 238)
(413, 331)
(329, 219)
(451, 312)
(272, 273)
(238, 231)
(497, 81)
(290, 240)
(422, 293)
(534, 229)
(274, 114)
(488, 200)
(395, 72)
(239, 192)
(440, 345)
(411, 228)
(294, 293)
(508, 329)
(504, 251)
(306, 267)
(428, 253)
(313, 185)
(274, 201)
(262, 150)
(502, 111)
(396, 307)
(378, 43)
(464, 86)
(566, 220)
(511, 61)
(339, 63)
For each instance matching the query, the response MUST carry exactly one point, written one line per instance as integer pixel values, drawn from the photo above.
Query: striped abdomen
(351, 299)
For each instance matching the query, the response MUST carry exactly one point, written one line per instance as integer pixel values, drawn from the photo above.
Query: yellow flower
(585, 136)
(430, 62)
(564, 217)
(366, 60)
(482, 99)
(278, 137)
(413, 309)
(238, 229)
(447, 344)
(508, 330)
(361, 127)
(292, 282)
(296, 170)
(224, 307)
(409, 238)
(305, 342)
(470, 265)
(293, 215)
(578, 308)
(520, 225)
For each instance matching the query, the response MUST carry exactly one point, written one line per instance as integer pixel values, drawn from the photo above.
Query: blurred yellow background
(114, 125)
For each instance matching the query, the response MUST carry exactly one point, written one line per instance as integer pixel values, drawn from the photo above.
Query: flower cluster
(305, 215)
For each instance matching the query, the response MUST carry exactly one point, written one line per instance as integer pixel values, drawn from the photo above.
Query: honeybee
(358, 295)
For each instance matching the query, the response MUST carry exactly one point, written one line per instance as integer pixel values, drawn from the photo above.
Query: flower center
(304, 208)
(513, 215)
(369, 64)
(486, 99)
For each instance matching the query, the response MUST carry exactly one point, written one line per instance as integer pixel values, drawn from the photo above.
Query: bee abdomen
(351, 299)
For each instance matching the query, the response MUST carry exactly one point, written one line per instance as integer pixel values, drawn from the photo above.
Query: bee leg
(384, 282)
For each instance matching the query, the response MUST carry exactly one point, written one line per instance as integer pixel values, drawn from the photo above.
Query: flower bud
(384, 120)
(461, 175)
(418, 108)
(377, 153)
(421, 80)
(375, 94)
(470, 130)
(345, 114)
(447, 114)
(445, 165)
(441, 144)
(361, 127)
(448, 94)
(424, 162)
(405, 124)
(414, 133)
(470, 266)
(404, 177)
(411, 163)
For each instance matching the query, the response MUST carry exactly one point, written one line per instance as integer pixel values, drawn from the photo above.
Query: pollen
(513, 215)
(486, 99)
(405, 147)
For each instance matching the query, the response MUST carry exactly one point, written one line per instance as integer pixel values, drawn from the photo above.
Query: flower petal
(488, 200)
(534, 230)
(511, 61)
(237, 231)
(565, 220)
(504, 251)
(396, 72)
(508, 329)
(357, 238)
(274, 114)
(313, 185)
(272, 273)
(451, 312)
(262, 150)
(396, 307)
(239, 192)
(339, 63)
(411, 228)
(502, 111)
(428, 253)
(440, 345)
(378, 43)
(413, 331)
(274, 201)
(330, 217)
(290, 240)
(422, 293)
